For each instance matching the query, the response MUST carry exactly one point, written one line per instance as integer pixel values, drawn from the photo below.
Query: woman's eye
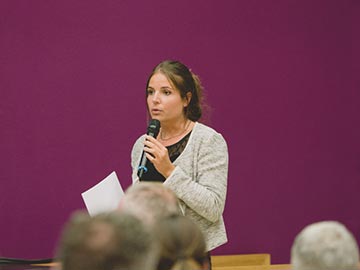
(166, 92)
(150, 91)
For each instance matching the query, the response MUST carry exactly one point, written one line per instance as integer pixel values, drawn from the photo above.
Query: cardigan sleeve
(204, 191)
(135, 157)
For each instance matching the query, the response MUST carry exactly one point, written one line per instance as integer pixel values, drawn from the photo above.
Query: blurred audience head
(106, 242)
(326, 245)
(182, 244)
(149, 201)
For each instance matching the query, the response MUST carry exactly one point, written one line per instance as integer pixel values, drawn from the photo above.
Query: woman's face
(164, 100)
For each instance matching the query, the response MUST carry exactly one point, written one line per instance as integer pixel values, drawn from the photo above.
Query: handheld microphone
(153, 131)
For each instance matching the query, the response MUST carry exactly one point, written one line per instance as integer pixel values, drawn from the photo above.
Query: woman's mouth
(155, 111)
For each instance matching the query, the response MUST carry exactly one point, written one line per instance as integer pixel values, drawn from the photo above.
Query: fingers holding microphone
(157, 154)
(155, 150)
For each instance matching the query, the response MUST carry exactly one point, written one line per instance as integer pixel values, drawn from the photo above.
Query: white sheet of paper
(104, 196)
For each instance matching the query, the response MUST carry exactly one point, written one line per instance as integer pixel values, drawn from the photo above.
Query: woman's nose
(155, 97)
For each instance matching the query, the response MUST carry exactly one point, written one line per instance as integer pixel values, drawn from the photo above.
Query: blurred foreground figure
(182, 244)
(326, 245)
(106, 242)
(149, 201)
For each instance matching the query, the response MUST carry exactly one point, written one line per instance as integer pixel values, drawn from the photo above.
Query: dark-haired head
(181, 77)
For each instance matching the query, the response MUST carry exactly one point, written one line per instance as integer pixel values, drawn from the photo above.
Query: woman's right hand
(158, 155)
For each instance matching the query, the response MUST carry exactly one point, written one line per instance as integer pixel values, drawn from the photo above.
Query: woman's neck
(175, 131)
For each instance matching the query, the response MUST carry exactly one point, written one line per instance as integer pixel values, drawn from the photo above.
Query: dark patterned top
(174, 151)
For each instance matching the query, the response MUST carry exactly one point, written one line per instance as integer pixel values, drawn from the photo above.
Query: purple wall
(281, 76)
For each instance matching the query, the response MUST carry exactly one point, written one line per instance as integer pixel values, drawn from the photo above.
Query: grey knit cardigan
(199, 180)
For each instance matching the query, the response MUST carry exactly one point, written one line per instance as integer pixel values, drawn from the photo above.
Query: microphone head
(153, 128)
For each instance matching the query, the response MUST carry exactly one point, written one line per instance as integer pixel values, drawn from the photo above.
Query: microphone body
(152, 130)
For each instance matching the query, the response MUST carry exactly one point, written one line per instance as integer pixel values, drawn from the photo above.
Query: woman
(190, 158)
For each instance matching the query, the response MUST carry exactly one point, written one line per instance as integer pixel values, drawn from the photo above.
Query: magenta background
(281, 76)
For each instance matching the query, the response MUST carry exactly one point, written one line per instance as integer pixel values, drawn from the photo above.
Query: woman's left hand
(158, 155)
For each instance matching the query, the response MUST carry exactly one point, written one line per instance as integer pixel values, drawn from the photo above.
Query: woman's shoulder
(202, 131)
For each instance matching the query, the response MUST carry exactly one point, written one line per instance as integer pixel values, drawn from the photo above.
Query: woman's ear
(187, 99)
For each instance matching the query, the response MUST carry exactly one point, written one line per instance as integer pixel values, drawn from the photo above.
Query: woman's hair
(185, 81)
(182, 244)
